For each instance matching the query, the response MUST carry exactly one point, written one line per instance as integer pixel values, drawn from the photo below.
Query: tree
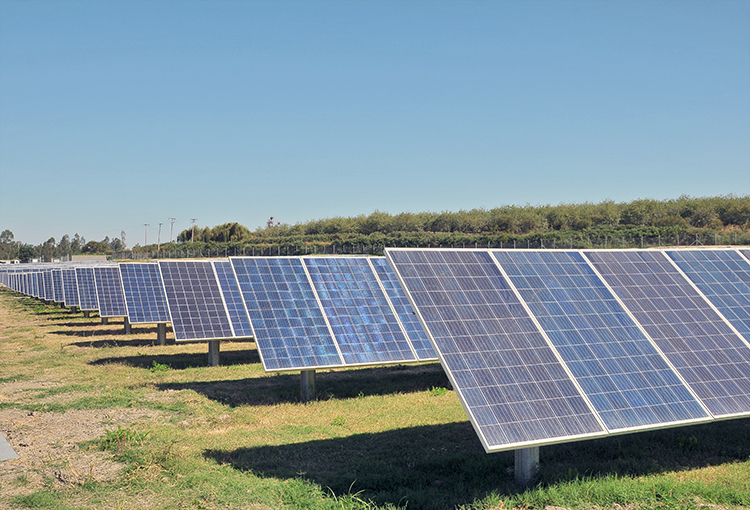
(116, 245)
(64, 245)
(26, 252)
(77, 243)
(8, 247)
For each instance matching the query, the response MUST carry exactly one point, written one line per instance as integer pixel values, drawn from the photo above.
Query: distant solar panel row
(551, 346)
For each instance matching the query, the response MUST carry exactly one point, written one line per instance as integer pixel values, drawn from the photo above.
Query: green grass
(233, 436)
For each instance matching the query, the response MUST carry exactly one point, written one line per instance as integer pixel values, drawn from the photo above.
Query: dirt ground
(47, 444)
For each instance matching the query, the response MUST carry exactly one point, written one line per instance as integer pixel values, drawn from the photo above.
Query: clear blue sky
(119, 113)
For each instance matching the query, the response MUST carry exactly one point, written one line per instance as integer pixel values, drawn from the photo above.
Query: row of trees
(51, 249)
(706, 217)
(670, 215)
(684, 212)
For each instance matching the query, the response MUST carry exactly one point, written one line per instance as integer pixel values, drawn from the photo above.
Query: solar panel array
(143, 289)
(87, 288)
(314, 312)
(109, 291)
(584, 343)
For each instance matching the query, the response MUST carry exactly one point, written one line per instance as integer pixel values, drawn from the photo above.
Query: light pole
(192, 237)
(145, 240)
(158, 238)
(171, 229)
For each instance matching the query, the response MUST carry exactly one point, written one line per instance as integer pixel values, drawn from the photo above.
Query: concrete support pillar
(213, 353)
(87, 313)
(307, 385)
(105, 320)
(128, 329)
(161, 333)
(527, 465)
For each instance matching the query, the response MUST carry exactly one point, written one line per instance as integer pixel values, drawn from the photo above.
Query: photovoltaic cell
(625, 378)
(144, 293)
(233, 299)
(109, 291)
(48, 287)
(710, 357)
(515, 390)
(70, 287)
(57, 286)
(87, 288)
(195, 303)
(364, 326)
(400, 301)
(290, 331)
(723, 276)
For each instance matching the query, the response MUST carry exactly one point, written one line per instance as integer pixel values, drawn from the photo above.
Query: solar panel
(70, 287)
(58, 294)
(109, 291)
(290, 330)
(514, 388)
(195, 302)
(6, 450)
(708, 354)
(365, 328)
(144, 293)
(87, 288)
(723, 276)
(625, 378)
(233, 299)
(48, 288)
(414, 330)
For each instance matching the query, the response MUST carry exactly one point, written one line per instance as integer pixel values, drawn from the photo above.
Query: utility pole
(158, 238)
(171, 229)
(145, 241)
(192, 237)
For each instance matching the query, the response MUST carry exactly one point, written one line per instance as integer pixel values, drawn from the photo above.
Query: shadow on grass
(343, 384)
(177, 361)
(444, 466)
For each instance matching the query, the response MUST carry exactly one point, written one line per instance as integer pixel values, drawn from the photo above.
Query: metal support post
(161, 333)
(105, 320)
(62, 305)
(213, 353)
(307, 385)
(527, 465)
(87, 313)
(128, 329)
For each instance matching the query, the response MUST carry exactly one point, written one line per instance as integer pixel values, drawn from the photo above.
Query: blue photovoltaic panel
(87, 288)
(723, 276)
(109, 291)
(144, 293)
(57, 286)
(70, 287)
(364, 326)
(195, 303)
(400, 301)
(48, 288)
(290, 331)
(515, 389)
(625, 378)
(233, 299)
(710, 357)
(35, 284)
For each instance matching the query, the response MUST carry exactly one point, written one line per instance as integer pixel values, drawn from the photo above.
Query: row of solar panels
(551, 346)
(304, 313)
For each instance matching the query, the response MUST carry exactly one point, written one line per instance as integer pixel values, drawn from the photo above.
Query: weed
(339, 421)
(159, 367)
(437, 391)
